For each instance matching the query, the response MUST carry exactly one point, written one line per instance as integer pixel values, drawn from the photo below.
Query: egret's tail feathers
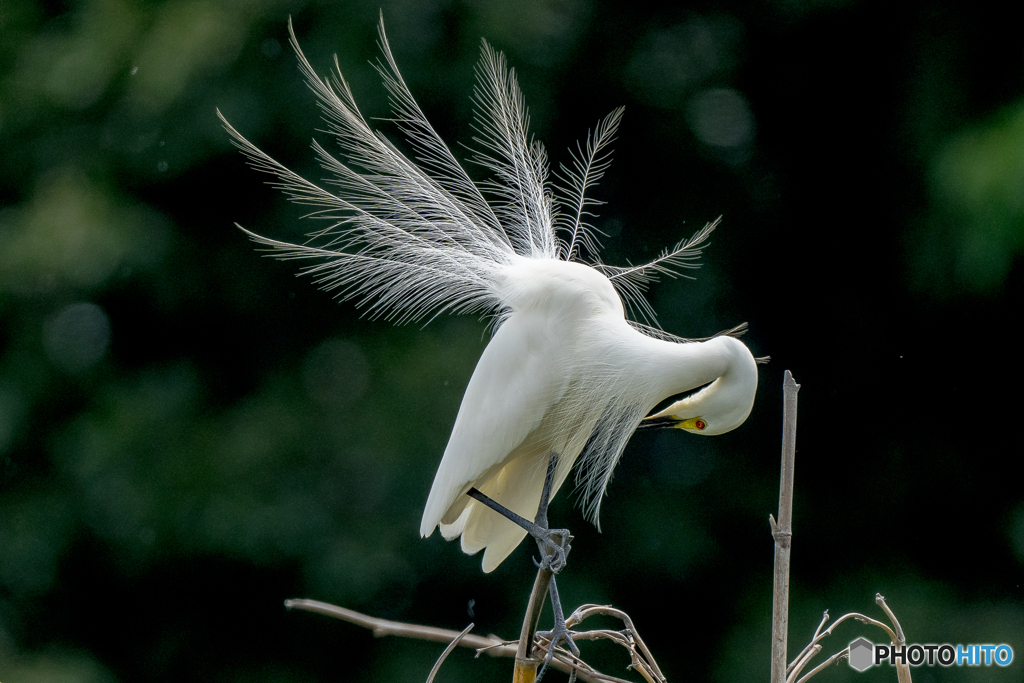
(444, 513)
(486, 530)
(517, 486)
(452, 531)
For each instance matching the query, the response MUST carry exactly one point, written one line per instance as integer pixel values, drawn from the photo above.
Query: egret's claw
(555, 636)
(554, 546)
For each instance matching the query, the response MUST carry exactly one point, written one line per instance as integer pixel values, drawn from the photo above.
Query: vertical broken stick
(783, 531)
(525, 670)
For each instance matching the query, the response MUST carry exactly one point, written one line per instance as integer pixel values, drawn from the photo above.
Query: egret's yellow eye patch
(695, 423)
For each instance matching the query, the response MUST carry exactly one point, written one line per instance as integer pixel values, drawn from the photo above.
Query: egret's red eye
(700, 424)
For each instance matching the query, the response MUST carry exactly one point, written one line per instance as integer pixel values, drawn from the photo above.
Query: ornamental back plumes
(408, 239)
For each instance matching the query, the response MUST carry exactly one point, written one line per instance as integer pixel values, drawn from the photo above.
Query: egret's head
(717, 407)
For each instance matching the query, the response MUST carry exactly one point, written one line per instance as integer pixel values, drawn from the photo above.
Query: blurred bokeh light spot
(721, 117)
(675, 61)
(77, 336)
(56, 665)
(74, 61)
(335, 373)
(978, 185)
(186, 40)
(66, 233)
(34, 530)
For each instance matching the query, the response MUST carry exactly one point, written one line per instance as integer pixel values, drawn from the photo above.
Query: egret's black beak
(658, 422)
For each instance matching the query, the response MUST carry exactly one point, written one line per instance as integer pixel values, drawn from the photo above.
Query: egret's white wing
(519, 378)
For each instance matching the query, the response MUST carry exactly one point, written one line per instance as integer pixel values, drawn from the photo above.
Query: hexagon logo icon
(861, 657)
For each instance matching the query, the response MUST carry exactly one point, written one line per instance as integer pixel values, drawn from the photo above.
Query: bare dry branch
(385, 627)
(525, 670)
(899, 638)
(896, 637)
(491, 645)
(814, 640)
(782, 532)
(642, 659)
(859, 617)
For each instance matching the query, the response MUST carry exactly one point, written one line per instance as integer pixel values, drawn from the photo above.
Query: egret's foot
(559, 631)
(557, 636)
(554, 546)
(553, 543)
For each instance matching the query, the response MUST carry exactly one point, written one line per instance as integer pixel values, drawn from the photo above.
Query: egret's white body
(565, 373)
(561, 361)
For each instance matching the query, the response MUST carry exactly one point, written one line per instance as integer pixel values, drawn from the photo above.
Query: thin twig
(385, 627)
(862, 619)
(813, 648)
(809, 654)
(643, 660)
(447, 651)
(814, 640)
(900, 640)
(824, 620)
(845, 654)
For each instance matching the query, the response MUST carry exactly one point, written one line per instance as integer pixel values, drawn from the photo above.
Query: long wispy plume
(408, 239)
(587, 168)
(519, 166)
(633, 281)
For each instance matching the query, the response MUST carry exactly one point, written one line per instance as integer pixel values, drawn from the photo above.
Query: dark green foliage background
(239, 438)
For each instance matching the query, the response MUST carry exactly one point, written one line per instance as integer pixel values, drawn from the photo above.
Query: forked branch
(563, 660)
(895, 635)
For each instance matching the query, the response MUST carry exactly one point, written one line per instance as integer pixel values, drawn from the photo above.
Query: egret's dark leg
(545, 493)
(559, 631)
(553, 543)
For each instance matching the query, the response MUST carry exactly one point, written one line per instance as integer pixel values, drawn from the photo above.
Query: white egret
(565, 372)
